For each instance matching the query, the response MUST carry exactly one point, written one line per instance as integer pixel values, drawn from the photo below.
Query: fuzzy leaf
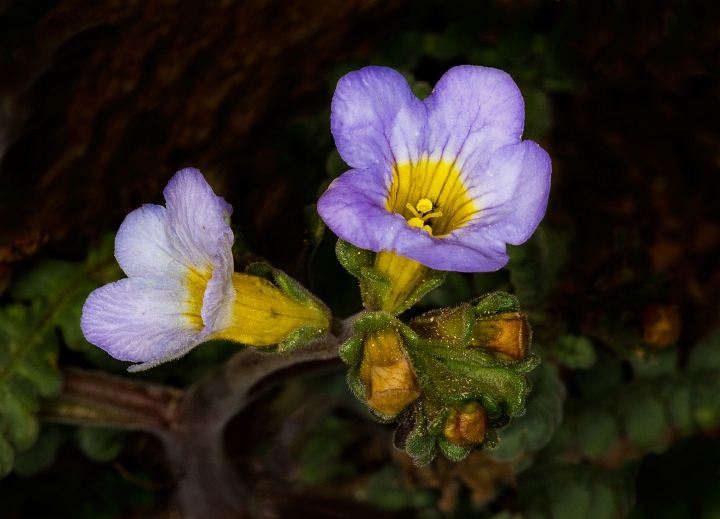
(532, 431)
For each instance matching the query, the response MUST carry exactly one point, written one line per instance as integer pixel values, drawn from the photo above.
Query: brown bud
(507, 334)
(386, 373)
(661, 325)
(466, 426)
(392, 388)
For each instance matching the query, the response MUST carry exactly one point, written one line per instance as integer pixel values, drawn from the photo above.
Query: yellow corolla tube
(430, 196)
(263, 314)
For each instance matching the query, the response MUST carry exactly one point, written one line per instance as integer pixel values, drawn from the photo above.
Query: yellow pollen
(424, 205)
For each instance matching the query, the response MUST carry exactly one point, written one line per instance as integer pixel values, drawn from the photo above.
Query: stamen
(412, 210)
(424, 205)
(421, 216)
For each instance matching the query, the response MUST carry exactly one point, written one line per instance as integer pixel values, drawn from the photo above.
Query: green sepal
(353, 258)
(452, 326)
(433, 279)
(354, 383)
(460, 376)
(374, 288)
(290, 286)
(421, 444)
(495, 303)
(382, 417)
(437, 424)
(351, 350)
(451, 451)
(491, 438)
(300, 337)
(528, 363)
(374, 321)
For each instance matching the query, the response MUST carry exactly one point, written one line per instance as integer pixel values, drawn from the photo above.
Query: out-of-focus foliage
(558, 490)
(46, 308)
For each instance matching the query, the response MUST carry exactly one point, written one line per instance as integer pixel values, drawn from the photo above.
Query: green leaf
(597, 432)
(46, 299)
(100, 444)
(706, 354)
(42, 453)
(570, 501)
(6, 457)
(532, 431)
(529, 271)
(18, 405)
(576, 352)
(645, 420)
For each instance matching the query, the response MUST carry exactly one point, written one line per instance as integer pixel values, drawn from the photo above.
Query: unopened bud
(508, 334)
(467, 425)
(452, 325)
(386, 373)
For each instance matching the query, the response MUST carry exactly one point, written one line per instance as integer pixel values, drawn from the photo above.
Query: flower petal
(354, 208)
(376, 119)
(142, 244)
(140, 320)
(197, 217)
(153, 240)
(472, 112)
(512, 192)
(219, 294)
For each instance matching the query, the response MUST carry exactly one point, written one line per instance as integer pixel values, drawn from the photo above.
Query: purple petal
(142, 245)
(472, 112)
(219, 293)
(197, 218)
(512, 192)
(376, 120)
(354, 208)
(140, 320)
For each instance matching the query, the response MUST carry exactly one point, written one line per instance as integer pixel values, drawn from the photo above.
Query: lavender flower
(447, 181)
(181, 289)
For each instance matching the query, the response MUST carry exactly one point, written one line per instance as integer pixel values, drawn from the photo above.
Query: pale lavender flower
(179, 290)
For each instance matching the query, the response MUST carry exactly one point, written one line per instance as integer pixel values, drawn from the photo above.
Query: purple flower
(179, 290)
(446, 181)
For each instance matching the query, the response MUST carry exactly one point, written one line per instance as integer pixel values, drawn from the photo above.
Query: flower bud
(467, 425)
(508, 334)
(451, 325)
(386, 373)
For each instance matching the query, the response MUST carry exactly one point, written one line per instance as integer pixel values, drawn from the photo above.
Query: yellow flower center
(431, 196)
(196, 283)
